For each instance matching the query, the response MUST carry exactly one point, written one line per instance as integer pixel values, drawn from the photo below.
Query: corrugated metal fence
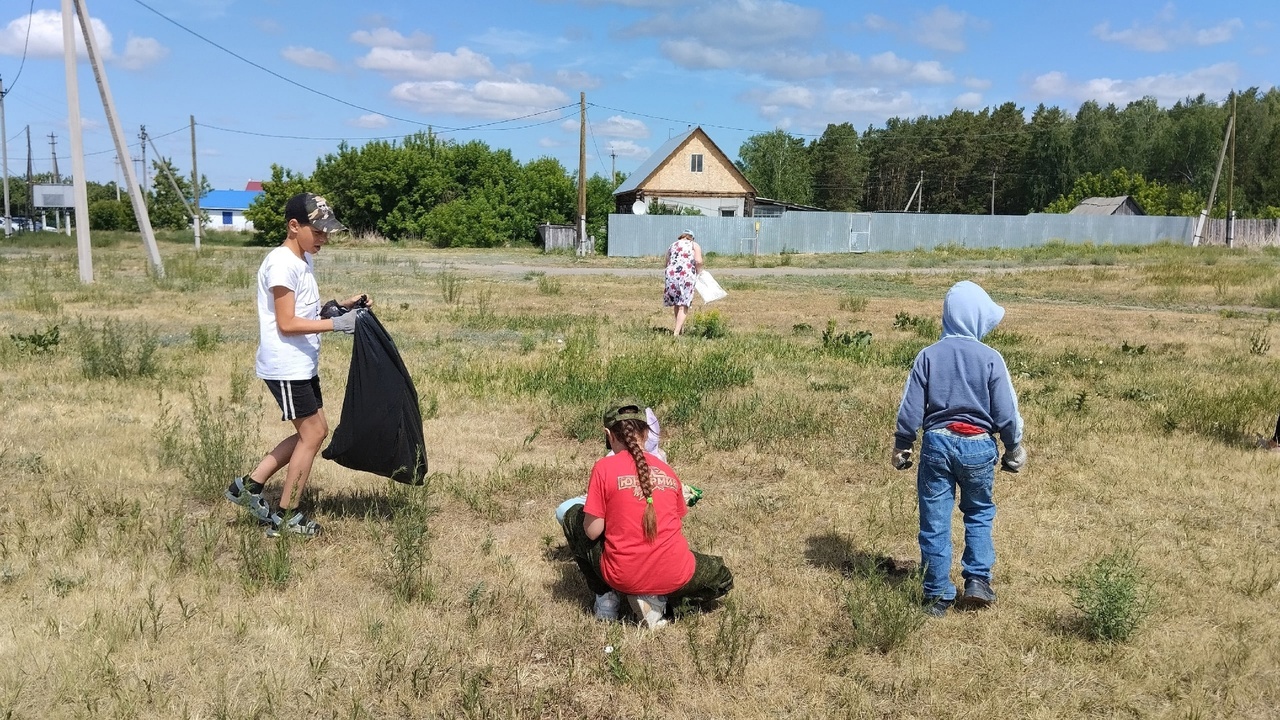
(830, 232)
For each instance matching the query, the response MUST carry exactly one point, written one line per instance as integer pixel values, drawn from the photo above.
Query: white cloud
(628, 149)
(371, 121)
(740, 24)
(309, 58)
(386, 37)
(484, 99)
(458, 65)
(871, 101)
(974, 83)
(1214, 80)
(621, 127)
(139, 52)
(516, 42)
(46, 41)
(879, 23)
(969, 101)
(577, 79)
(943, 28)
(1166, 34)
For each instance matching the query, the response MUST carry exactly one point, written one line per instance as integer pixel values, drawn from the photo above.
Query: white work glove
(901, 459)
(1014, 458)
(345, 323)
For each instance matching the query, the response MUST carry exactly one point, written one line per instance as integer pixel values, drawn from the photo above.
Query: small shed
(557, 237)
(1122, 205)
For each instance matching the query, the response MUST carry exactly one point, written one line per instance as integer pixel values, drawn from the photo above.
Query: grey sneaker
(977, 594)
(294, 523)
(649, 610)
(937, 607)
(607, 605)
(253, 502)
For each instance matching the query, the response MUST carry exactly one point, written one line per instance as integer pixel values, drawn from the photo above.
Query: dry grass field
(128, 588)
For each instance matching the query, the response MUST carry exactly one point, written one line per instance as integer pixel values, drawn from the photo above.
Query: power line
(599, 157)
(690, 122)
(277, 136)
(25, 44)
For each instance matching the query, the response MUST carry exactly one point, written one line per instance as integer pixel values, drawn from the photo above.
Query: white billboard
(53, 196)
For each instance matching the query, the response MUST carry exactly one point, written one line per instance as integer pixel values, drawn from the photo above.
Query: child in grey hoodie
(960, 394)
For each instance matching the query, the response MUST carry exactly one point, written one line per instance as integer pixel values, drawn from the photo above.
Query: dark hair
(631, 432)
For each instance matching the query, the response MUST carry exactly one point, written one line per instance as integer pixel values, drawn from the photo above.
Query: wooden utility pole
(117, 134)
(84, 250)
(4, 157)
(613, 167)
(582, 174)
(993, 193)
(195, 184)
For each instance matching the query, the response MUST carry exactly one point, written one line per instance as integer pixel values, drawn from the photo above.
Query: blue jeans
(949, 460)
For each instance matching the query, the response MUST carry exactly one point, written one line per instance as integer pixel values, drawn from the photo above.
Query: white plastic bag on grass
(708, 289)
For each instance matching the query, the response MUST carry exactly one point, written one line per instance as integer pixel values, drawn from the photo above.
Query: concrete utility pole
(1213, 189)
(30, 206)
(83, 248)
(4, 157)
(582, 174)
(53, 153)
(195, 185)
(117, 134)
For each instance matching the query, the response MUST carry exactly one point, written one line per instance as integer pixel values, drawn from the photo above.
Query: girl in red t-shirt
(627, 536)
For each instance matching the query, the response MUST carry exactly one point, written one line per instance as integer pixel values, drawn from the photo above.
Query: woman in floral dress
(684, 262)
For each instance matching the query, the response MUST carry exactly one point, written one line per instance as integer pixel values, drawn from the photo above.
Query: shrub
(37, 342)
(925, 327)
(206, 338)
(853, 303)
(450, 283)
(117, 350)
(709, 324)
(723, 655)
(410, 543)
(857, 343)
(878, 615)
(211, 446)
(1114, 596)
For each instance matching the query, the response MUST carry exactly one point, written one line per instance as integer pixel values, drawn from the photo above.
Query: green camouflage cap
(311, 209)
(624, 410)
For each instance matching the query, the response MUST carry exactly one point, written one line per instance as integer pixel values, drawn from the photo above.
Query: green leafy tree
(166, 208)
(267, 211)
(777, 164)
(1154, 197)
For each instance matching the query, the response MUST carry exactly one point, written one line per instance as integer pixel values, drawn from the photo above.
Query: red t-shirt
(631, 564)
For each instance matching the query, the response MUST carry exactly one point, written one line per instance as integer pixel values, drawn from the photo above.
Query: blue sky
(649, 68)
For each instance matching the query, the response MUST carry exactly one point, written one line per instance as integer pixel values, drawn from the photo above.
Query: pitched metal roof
(651, 164)
(228, 199)
(1104, 205)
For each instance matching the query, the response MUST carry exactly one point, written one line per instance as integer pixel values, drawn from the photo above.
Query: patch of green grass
(877, 614)
(117, 350)
(708, 324)
(548, 285)
(209, 446)
(926, 327)
(206, 338)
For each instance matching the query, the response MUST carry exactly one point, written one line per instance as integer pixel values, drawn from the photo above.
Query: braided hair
(632, 434)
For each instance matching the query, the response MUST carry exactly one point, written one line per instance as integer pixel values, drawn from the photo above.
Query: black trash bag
(380, 430)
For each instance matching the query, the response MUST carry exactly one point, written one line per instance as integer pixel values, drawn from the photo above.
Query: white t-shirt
(287, 357)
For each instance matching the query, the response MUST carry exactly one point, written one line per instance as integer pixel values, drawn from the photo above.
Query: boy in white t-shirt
(288, 360)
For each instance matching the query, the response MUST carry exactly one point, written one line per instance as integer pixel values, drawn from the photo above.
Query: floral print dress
(680, 274)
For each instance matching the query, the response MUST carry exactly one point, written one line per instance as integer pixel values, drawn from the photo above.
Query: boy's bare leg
(276, 459)
(312, 431)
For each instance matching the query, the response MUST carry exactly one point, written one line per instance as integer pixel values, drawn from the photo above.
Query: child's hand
(356, 301)
(901, 459)
(1014, 458)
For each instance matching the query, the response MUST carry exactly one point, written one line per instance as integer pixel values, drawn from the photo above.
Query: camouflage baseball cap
(625, 409)
(311, 209)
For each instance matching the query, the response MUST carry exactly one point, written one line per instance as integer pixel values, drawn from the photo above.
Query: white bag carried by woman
(708, 289)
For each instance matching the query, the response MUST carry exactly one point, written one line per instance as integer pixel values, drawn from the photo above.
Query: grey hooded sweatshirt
(959, 378)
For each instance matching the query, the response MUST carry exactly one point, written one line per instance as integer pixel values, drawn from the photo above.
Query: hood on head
(968, 311)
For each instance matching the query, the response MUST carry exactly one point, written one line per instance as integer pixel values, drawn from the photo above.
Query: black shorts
(297, 398)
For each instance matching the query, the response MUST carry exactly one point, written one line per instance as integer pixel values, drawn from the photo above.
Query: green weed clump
(878, 615)
(1113, 594)
(117, 350)
(857, 343)
(724, 654)
(37, 343)
(206, 339)
(548, 285)
(450, 284)
(709, 324)
(1229, 415)
(853, 303)
(925, 327)
(209, 447)
(265, 563)
(1269, 298)
(410, 547)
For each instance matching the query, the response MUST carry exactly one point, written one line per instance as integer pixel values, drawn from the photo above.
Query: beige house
(688, 171)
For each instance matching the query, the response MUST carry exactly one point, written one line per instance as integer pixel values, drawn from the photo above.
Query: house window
(695, 162)
(728, 212)
(226, 217)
